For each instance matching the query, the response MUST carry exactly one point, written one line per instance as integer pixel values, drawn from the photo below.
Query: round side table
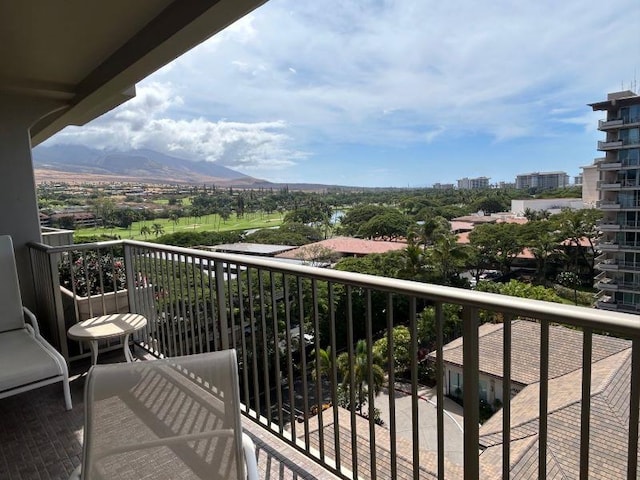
(107, 326)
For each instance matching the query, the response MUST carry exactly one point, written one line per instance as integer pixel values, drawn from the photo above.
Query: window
(484, 394)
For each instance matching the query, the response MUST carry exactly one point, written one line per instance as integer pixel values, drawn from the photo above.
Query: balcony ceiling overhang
(615, 103)
(88, 55)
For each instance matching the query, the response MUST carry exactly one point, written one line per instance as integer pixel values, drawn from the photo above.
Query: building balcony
(608, 205)
(198, 301)
(609, 145)
(609, 124)
(612, 265)
(617, 123)
(605, 226)
(607, 285)
(614, 285)
(606, 166)
(613, 246)
(608, 185)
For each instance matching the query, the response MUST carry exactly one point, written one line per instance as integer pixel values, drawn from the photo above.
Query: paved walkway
(427, 418)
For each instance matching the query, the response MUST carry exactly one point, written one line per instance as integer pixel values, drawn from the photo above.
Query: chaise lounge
(27, 361)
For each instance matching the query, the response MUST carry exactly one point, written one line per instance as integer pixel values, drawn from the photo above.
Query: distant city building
(577, 180)
(618, 187)
(552, 205)
(542, 180)
(444, 186)
(473, 183)
(506, 185)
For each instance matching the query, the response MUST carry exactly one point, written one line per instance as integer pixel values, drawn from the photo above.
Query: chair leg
(250, 457)
(67, 393)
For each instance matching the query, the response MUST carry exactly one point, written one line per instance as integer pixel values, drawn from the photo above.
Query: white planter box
(95, 305)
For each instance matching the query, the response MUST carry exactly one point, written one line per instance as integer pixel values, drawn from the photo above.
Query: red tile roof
(348, 246)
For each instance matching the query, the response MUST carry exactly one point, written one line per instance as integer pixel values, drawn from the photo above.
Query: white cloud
(465, 66)
(145, 122)
(378, 72)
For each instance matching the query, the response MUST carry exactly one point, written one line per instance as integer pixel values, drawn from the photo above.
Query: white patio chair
(27, 361)
(176, 418)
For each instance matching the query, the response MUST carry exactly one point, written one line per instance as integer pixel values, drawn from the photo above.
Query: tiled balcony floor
(40, 440)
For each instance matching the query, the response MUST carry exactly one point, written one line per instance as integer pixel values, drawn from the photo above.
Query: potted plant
(95, 282)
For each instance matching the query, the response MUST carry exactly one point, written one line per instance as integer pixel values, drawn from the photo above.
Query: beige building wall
(590, 194)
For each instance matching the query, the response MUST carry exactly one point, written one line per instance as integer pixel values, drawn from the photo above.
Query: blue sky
(387, 93)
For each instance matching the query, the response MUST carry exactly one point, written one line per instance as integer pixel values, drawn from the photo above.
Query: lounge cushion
(24, 360)
(11, 316)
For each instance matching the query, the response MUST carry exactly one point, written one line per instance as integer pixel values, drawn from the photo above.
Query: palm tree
(362, 371)
(447, 257)
(157, 229)
(324, 367)
(144, 231)
(543, 244)
(413, 261)
(431, 229)
(175, 218)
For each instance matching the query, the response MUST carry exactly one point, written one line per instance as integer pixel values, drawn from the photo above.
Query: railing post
(634, 410)
(470, 393)
(440, 387)
(544, 400)
(585, 414)
(222, 306)
(128, 266)
(57, 305)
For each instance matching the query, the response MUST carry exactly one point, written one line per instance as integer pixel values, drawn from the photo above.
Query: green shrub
(584, 298)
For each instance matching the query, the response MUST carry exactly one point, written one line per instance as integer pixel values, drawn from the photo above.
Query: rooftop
(346, 246)
(475, 219)
(607, 441)
(251, 248)
(525, 353)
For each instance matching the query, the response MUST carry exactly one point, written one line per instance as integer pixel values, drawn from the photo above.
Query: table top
(107, 326)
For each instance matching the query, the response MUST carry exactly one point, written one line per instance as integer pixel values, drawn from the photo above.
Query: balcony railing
(295, 327)
(608, 185)
(608, 205)
(617, 122)
(603, 145)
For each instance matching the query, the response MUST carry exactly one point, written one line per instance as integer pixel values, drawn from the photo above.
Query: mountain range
(79, 163)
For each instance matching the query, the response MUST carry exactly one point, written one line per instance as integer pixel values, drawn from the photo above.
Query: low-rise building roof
(610, 392)
(457, 226)
(565, 350)
(476, 219)
(346, 246)
(262, 249)
(428, 460)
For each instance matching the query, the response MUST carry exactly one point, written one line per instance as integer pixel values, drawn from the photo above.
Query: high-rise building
(443, 186)
(542, 180)
(473, 183)
(619, 199)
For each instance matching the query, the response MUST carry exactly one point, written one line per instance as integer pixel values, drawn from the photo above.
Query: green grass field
(208, 223)
(185, 202)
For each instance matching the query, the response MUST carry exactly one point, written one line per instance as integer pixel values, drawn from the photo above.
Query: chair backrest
(11, 315)
(164, 419)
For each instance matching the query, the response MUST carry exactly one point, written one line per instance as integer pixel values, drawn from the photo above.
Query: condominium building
(542, 180)
(619, 199)
(444, 186)
(473, 183)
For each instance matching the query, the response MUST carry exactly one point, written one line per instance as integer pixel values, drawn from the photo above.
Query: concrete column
(18, 203)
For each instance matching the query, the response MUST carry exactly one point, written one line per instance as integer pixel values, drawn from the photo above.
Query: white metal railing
(604, 145)
(205, 301)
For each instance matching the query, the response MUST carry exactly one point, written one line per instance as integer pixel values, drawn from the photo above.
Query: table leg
(127, 351)
(93, 344)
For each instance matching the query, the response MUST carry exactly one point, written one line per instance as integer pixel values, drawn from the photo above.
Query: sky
(383, 93)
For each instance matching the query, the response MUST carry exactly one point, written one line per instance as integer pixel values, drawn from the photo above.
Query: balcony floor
(42, 441)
